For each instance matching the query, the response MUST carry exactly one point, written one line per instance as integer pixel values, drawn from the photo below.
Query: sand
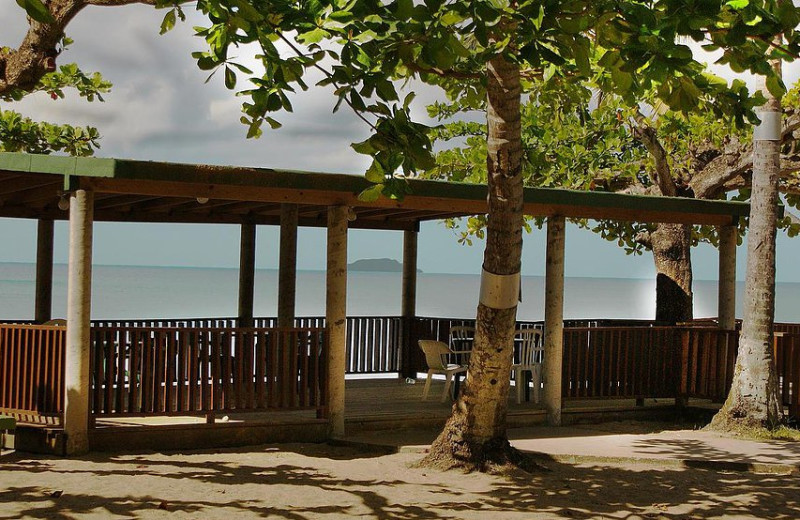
(300, 481)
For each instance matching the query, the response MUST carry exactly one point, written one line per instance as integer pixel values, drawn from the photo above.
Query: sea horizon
(159, 291)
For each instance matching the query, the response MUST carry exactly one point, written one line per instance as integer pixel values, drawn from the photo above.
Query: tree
(753, 400)
(31, 68)
(578, 138)
(473, 49)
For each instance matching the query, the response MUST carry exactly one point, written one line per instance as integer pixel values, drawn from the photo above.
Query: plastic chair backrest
(435, 353)
(531, 350)
(462, 337)
(60, 322)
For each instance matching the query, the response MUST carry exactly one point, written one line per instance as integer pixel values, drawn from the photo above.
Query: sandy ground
(299, 481)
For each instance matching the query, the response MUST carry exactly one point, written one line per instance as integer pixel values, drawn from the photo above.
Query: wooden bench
(6, 424)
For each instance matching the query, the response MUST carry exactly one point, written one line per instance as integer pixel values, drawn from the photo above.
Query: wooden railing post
(287, 265)
(44, 271)
(726, 307)
(247, 267)
(682, 393)
(409, 303)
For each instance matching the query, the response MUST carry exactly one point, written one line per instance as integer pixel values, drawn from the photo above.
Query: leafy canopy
(361, 49)
(22, 134)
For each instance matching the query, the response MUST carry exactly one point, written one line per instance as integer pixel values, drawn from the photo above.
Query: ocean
(127, 292)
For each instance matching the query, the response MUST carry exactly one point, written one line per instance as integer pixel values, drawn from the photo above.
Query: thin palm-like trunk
(475, 434)
(753, 399)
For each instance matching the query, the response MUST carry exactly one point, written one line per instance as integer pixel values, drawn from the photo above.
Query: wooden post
(79, 296)
(287, 269)
(44, 271)
(409, 302)
(336, 315)
(247, 274)
(554, 319)
(726, 309)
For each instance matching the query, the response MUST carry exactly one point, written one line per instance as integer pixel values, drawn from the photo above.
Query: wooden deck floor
(393, 403)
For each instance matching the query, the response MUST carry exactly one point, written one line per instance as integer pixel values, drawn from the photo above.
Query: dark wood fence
(619, 362)
(373, 342)
(32, 372)
(787, 363)
(163, 371)
(209, 365)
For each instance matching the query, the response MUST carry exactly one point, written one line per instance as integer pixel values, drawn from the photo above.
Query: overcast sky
(161, 109)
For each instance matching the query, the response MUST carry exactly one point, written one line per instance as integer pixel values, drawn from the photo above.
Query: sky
(162, 109)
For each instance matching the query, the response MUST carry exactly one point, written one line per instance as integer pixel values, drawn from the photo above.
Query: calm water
(171, 292)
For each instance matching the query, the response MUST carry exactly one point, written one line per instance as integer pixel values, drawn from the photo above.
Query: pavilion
(84, 190)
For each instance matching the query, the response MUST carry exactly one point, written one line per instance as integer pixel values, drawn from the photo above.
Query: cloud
(161, 108)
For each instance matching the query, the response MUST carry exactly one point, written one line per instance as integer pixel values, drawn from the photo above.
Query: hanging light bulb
(63, 202)
(202, 200)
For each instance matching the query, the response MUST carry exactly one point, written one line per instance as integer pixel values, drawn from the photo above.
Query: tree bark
(672, 244)
(475, 434)
(23, 67)
(753, 399)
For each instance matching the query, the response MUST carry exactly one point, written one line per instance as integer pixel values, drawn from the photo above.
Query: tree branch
(736, 160)
(23, 67)
(662, 177)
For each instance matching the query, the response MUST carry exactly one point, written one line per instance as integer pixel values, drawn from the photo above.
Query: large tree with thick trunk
(473, 49)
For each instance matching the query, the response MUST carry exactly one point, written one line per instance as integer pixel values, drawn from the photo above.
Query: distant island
(383, 265)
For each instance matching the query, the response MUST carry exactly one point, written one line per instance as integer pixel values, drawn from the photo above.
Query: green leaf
(230, 78)
(371, 194)
(273, 123)
(375, 173)
(738, 4)
(314, 36)
(775, 86)
(364, 147)
(37, 10)
(168, 22)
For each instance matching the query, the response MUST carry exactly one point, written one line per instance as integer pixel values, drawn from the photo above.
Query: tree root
(454, 451)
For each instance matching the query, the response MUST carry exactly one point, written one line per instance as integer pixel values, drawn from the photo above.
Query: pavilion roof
(145, 191)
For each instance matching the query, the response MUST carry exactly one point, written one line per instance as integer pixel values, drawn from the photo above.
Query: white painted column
(726, 307)
(336, 315)
(44, 271)
(554, 319)
(79, 296)
(287, 267)
(247, 274)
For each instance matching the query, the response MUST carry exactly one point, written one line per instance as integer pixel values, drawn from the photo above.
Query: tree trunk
(671, 244)
(475, 434)
(753, 399)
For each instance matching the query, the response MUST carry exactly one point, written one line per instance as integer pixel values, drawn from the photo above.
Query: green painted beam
(547, 201)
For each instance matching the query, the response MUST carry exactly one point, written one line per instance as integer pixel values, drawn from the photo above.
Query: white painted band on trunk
(499, 291)
(770, 127)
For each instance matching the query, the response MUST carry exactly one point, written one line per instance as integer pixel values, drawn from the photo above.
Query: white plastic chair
(461, 340)
(531, 356)
(436, 355)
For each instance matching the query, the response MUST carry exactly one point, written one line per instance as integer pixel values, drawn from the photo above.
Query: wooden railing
(708, 356)
(373, 342)
(787, 363)
(145, 367)
(619, 362)
(163, 371)
(31, 372)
